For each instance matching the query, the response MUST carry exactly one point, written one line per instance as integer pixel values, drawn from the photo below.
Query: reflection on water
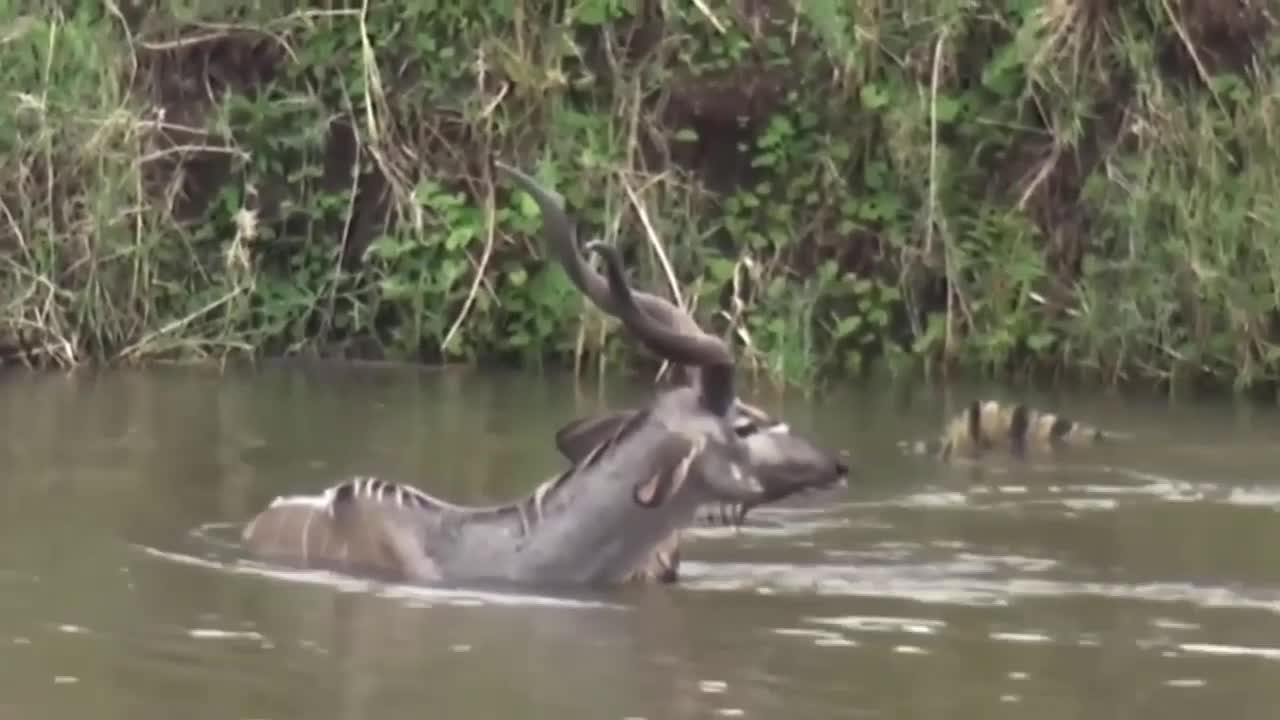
(1138, 580)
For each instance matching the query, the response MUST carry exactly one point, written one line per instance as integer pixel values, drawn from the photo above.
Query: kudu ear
(577, 439)
(675, 456)
(702, 350)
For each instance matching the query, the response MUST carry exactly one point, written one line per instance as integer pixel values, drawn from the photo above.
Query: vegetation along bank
(1022, 186)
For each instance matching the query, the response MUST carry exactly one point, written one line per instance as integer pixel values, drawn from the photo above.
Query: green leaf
(528, 206)
(946, 109)
(388, 247)
(873, 96)
(1039, 341)
(425, 191)
(593, 12)
(847, 325)
(719, 269)
(459, 237)
(394, 288)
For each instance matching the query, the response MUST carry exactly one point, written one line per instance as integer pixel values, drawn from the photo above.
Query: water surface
(1140, 580)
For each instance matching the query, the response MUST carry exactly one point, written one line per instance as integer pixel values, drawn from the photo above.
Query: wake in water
(905, 566)
(922, 560)
(958, 582)
(1133, 484)
(226, 555)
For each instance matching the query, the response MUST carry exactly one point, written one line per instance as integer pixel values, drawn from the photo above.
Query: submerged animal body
(786, 463)
(592, 524)
(626, 496)
(1017, 429)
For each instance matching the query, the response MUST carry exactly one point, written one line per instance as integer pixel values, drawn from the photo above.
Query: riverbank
(1063, 188)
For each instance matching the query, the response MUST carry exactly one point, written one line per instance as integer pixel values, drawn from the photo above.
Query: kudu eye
(745, 429)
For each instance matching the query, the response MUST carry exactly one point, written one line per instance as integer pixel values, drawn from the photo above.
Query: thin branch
(655, 242)
(933, 143)
(710, 16)
(491, 212)
(179, 323)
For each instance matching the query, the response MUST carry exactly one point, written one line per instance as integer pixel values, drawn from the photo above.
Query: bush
(1061, 185)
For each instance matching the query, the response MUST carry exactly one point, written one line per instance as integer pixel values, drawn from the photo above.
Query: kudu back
(785, 462)
(599, 522)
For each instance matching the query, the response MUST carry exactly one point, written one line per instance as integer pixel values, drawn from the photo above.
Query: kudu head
(784, 462)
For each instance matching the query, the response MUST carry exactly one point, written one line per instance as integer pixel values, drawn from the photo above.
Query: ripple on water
(910, 650)
(1034, 638)
(821, 638)
(1254, 497)
(881, 623)
(1093, 496)
(215, 634)
(864, 623)
(955, 583)
(713, 687)
(1172, 624)
(1266, 653)
(757, 528)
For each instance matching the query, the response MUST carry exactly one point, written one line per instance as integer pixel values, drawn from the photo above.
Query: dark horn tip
(610, 254)
(613, 269)
(668, 343)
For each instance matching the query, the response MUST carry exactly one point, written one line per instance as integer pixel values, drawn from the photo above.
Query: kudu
(599, 522)
(786, 463)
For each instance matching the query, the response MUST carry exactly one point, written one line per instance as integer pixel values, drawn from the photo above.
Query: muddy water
(1137, 581)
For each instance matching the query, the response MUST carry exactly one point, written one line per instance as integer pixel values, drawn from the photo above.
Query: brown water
(1137, 581)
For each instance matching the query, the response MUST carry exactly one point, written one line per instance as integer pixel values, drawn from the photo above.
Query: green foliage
(836, 186)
